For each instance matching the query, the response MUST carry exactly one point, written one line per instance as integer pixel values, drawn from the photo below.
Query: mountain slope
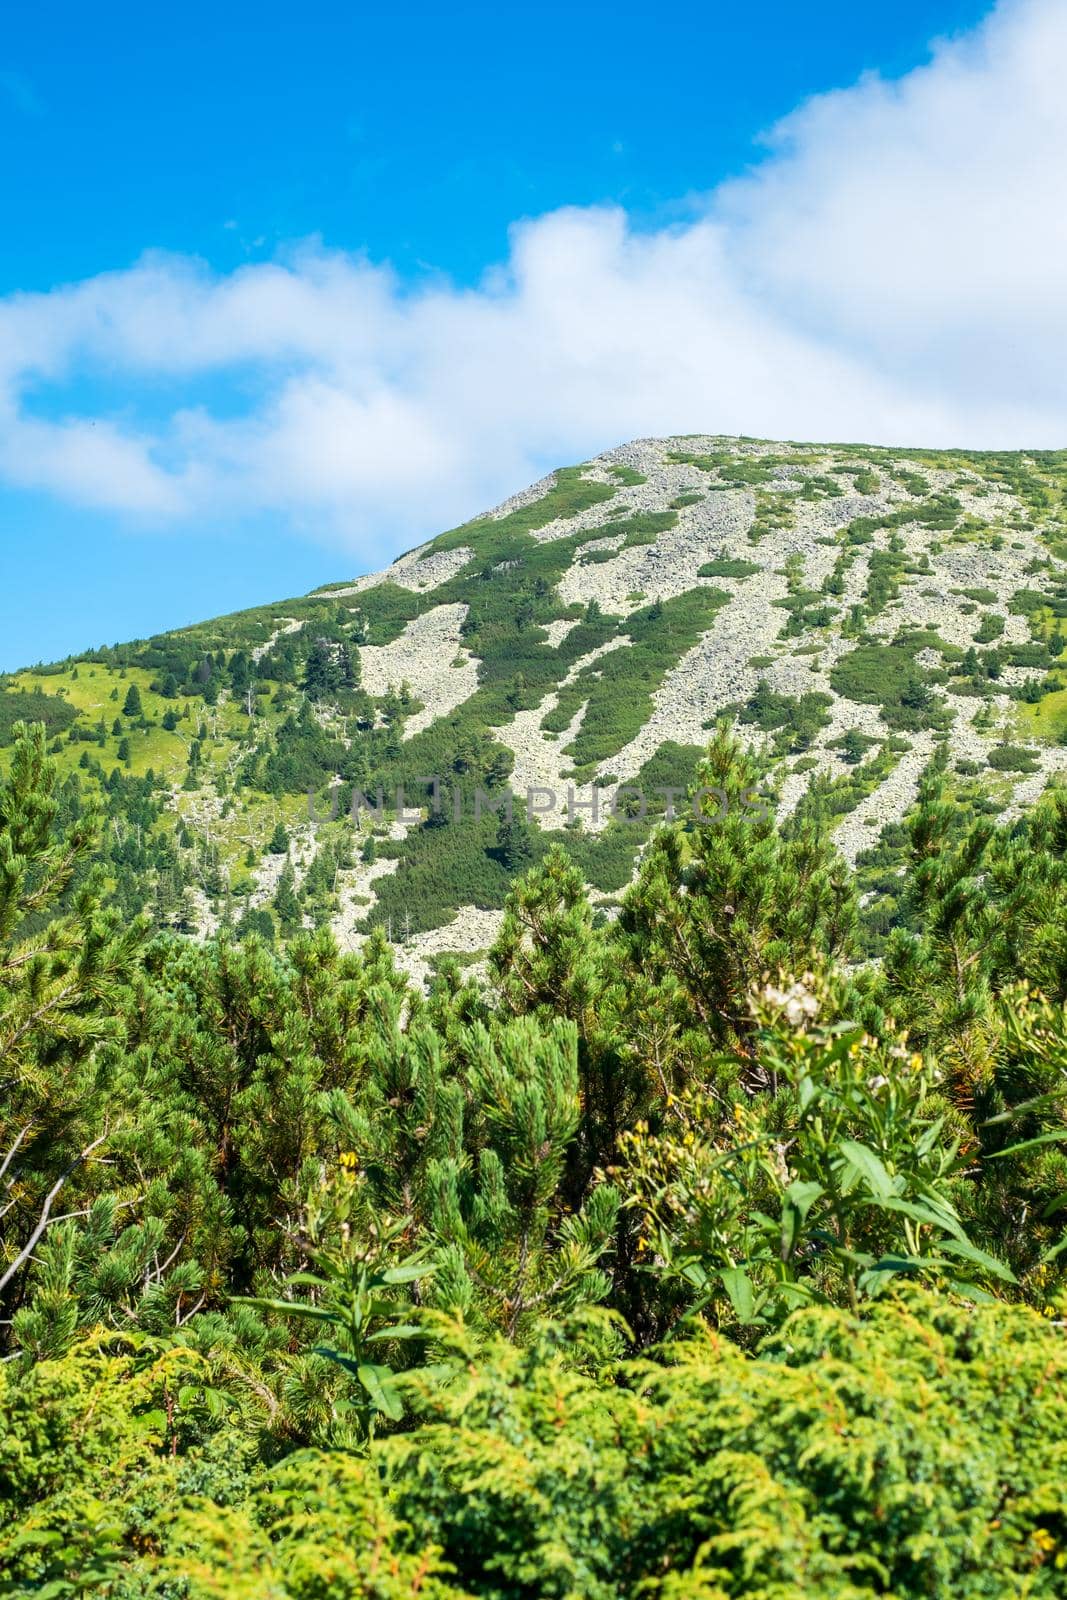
(858, 613)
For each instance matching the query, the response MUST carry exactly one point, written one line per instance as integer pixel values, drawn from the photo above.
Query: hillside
(693, 1253)
(856, 613)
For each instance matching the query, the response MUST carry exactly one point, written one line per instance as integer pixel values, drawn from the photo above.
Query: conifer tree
(514, 842)
(551, 960)
(62, 999)
(240, 673)
(979, 909)
(348, 667)
(472, 1133)
(286, 904)
(719, 902)
(322, 675)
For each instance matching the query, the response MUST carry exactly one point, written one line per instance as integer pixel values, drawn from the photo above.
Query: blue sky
(247, 339)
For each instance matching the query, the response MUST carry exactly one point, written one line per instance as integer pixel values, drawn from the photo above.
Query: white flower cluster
(796, 1002)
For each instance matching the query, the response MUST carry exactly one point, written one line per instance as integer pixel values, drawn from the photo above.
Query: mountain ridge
(855, 612)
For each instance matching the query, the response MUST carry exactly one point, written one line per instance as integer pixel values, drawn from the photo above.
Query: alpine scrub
(695, 1254)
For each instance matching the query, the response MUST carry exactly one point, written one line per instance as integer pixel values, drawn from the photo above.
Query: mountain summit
(857, 614)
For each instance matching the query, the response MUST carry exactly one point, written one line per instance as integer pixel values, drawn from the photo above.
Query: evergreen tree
(515, 844)
(240, 673)
(286, 904)
(131, 706)
(979, 909)
(322, 673)
(853, 746)
(471, 1128)
(727, 899)
(551, 960)
(347, 667)
(62, 1000)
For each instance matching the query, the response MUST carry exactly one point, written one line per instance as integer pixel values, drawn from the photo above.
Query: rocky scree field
(855, 613)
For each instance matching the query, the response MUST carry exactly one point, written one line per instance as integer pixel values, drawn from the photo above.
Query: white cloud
(893, 271)
(924, 222)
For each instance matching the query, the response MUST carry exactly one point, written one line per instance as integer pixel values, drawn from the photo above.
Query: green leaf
(869, 1166)
(932, 1215)
(880, 1275)
(799, 1199)
(898, 1263)
(383, 1308)
(981, 1258)
(738, 1286)
(34, 1538)
(695, 1273)
(1056, 1250)
(971, 1291)
(291, 1308)
(378, 1382)
(213, 1401)
(1056, 1136)
(399, 1330)
(338, 1357)
(407, 1274)
(1040, 1102)
(927, 1140)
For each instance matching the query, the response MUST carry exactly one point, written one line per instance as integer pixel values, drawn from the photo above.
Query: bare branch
(10, 1154)
(46, 1212)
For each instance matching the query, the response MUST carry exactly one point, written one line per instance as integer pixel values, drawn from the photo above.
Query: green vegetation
(198, 745)
(884, 576)
(773, 512)
(820, 487)
(673, 1260)
(728, 567)
(888, 675)
(569, 495)
(644, 527)
(617, 688)
(807, 609)
(1012, 758)
(730, 470)
(33, 705)
(794, 720)
(989, 629)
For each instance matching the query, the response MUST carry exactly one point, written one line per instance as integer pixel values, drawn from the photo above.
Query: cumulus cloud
(892, 271)
(923, 222)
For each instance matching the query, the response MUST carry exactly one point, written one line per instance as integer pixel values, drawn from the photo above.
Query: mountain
(857, 613)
